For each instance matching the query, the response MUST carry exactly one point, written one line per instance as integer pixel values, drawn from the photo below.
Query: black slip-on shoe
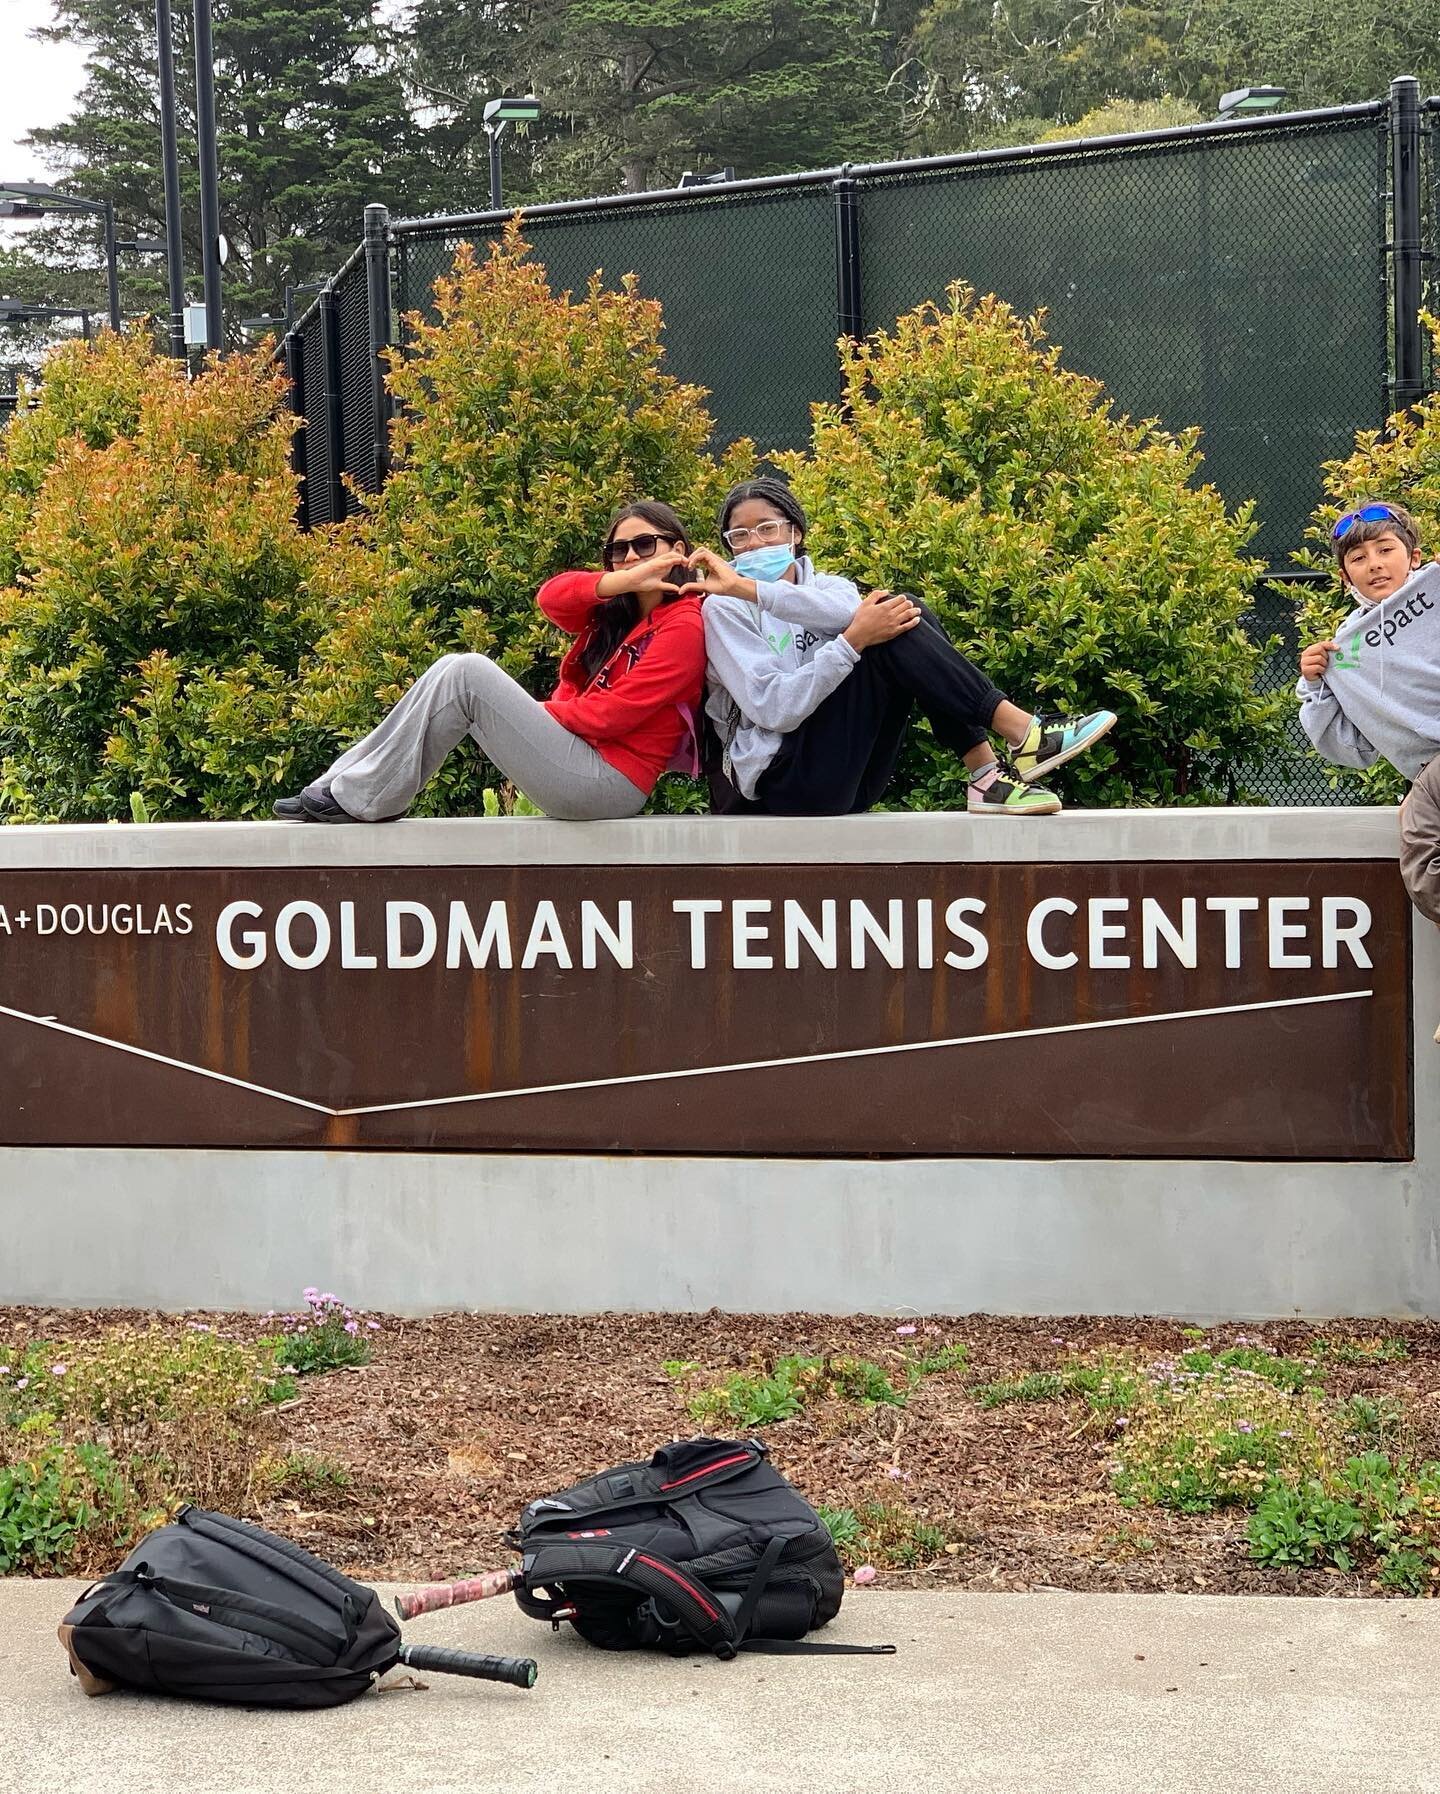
(320, 806)
(290, 809)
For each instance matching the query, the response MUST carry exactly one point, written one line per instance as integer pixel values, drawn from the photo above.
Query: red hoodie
(629, 711)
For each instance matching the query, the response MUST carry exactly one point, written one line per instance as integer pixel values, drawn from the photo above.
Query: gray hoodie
(773, 662)
(1380, 696)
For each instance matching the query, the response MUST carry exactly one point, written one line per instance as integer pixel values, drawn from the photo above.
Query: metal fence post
(295, 372)
(1405, 240)
(377, 293)
(334, 409)
(847, 255)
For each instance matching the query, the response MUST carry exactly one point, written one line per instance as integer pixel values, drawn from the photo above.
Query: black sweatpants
(840, 759)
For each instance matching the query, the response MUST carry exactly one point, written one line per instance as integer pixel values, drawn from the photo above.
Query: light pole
(33, 199)
(213, 252)
(170, 161)
(1242, 102)
(522, 109)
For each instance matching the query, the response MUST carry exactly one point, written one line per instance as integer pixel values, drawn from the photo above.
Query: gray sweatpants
(467, 694)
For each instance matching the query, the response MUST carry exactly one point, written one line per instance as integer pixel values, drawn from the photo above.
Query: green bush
(1070, 553)
(1376, 1513)
(62, 1503)
(524, 419)
(159, 606)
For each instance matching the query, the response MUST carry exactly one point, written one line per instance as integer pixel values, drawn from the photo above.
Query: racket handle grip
(519, 1672)
(456, 1594)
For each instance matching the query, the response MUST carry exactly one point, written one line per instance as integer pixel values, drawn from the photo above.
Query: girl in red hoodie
(628, 689)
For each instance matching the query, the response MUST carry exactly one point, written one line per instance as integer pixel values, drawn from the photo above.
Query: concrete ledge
(898, 838)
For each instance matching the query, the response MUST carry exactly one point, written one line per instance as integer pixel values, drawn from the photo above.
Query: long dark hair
(774, 493)
(614, 618)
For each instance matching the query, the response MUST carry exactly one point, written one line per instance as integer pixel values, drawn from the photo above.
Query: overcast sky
(41, 81)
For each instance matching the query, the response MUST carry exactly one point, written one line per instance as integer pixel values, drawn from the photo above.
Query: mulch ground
(459, 1420)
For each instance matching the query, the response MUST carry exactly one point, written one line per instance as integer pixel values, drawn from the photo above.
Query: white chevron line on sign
(200, 1071)
(693, 1071)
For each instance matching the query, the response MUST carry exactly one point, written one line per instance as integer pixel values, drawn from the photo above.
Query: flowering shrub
(328, 1336)
(1204, 1438)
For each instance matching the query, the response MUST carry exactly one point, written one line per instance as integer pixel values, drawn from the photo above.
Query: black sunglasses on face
(642, 547)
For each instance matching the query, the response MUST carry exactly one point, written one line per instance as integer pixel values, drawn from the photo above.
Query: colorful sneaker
(1004, 797)
(1055, 739)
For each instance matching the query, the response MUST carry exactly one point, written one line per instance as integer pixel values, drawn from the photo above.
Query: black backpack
(706, 1547)
(217, 1610)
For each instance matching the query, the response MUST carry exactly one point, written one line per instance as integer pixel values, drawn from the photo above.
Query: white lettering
(252, 939)
(821, 942)
(285, 946)
(545, 937)
(47, 918)
(1332, 935)
(977, 947)
(122, 918)
(1102, 931)
(619, 941)
(350, 960)
(697, 908)
(396, 958)
(185, 925)
(1231, 907)
(744, 933)
(1282, 931)
(924, 933)
(1035, 934)
(1154, 923)
(865, 926)
(494, 937)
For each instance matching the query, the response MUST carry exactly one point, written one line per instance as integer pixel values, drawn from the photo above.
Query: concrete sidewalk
(1009, 1694)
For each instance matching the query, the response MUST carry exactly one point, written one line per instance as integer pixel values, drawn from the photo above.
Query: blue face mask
(765, 564)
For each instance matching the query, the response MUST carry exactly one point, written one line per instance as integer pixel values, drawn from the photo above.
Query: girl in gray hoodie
(810, 686)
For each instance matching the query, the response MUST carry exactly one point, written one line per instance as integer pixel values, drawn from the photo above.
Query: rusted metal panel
(1256, 1009)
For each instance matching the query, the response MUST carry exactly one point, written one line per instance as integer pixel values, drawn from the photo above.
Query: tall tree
(313, 123)
(637, 91)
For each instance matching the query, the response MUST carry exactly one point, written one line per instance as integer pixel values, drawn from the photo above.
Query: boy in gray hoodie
(1372, 692)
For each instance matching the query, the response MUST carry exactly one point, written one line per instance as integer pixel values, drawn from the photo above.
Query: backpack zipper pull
(563, 1613)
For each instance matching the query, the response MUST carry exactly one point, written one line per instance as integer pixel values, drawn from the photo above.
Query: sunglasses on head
(1366, 514)
(642, 547)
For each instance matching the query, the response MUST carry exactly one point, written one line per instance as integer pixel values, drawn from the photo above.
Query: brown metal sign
(1231, 1010)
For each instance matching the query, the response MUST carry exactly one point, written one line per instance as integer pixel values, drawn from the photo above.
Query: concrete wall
(417, 1232)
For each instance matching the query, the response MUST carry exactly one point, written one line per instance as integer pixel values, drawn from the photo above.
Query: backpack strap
(647, 1573)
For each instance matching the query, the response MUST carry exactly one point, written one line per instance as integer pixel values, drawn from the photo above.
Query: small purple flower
(1286, 1435)
(1244, 1426)
(22, 1383)
(310, 1293)
(905, 1332)
(374, 1326)
(352, 1327)
(58, 1370)
(197, 1326)
(1055, 1339)
(866, 1573)
(1120, 1420)
(4, 1370)
(328, 1297)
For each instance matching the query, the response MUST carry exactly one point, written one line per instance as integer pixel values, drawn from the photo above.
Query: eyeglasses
(620, 548)
(773, 529)
(1366, 514)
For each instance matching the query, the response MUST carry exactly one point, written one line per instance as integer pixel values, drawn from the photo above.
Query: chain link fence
(1247, 278)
